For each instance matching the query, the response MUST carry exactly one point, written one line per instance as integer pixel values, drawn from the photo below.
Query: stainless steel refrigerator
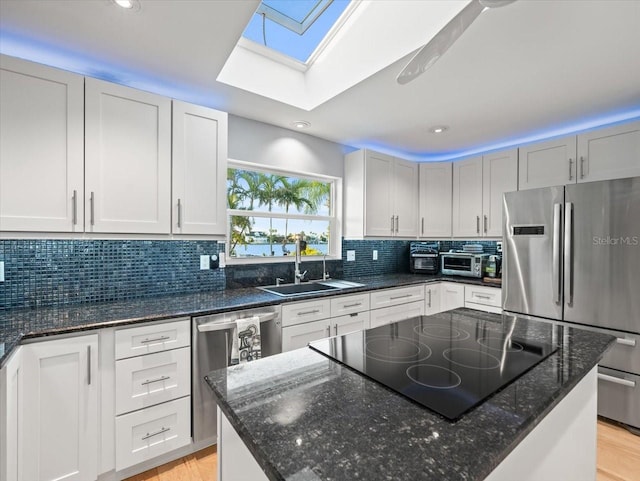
(572, 254)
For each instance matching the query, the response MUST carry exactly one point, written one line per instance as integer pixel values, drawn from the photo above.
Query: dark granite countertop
(306, 417)
(19, 324)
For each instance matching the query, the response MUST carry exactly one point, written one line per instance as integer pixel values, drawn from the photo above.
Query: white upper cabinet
(499, 175)
(381, 196)
(478, 186)
(547, 163)
(435, 199)
(127, 160)
(467, 197)
(610, 153)
(41, 148)
(199, 203)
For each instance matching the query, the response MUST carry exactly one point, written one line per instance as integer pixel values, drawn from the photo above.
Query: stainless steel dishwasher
(211, 349)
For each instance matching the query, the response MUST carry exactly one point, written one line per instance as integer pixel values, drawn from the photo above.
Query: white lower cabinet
(150, 432)
(12, 412)
(432, 293)
(452, 296)
(357, 321)
(58, 437)
(387, 315)
(295, 337)
(483, 298)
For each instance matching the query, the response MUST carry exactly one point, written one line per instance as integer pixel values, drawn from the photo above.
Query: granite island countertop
(20, 324)
(304, 416)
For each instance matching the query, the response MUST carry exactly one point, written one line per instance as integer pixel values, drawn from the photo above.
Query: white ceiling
(534, 68)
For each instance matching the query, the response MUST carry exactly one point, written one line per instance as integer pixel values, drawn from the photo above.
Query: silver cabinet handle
(335, 329)
(179, 214)
(429, 297)
(570, 169)
(392, 224)
(480, 296)
(568, 254)
(74, 200)
(556, 260)
(626, 342)
(400, 297)
(157, 339)
(328, 330)
(422, 226)
(486, 221)
(616, 380)
(352, 305)
(304, 313)
(89, 365)
(478, 224)
(162, 378)
(91, 203)
(581, 167)
(162, 430)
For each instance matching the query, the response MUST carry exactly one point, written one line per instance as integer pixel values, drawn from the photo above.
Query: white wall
(261, 143)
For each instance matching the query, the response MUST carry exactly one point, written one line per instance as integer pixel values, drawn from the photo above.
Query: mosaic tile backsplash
(43, 273)
(59, 272)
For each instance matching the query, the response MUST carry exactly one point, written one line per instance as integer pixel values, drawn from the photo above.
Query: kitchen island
(303, 416)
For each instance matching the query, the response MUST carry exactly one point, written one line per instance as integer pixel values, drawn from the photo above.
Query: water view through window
(267, 211)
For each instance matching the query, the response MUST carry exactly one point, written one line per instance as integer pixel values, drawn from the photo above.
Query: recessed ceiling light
(128, 4)
(301, 124)
(438, 129)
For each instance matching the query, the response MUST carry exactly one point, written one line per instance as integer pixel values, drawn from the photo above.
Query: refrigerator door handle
(568, 254)
(557, 259)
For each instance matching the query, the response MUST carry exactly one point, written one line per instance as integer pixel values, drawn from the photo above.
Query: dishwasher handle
(223, 326)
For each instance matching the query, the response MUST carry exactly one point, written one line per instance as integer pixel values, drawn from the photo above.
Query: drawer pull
(616, 380)
(355, 304)
(162, 430)
(626, 342)
(163, 378)
(400, 297)
(304, 313)
(157, 339)
(480, 296)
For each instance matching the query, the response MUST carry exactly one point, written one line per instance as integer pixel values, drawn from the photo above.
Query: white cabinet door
(379, 191)
(60, 395)
(452, 296)
(199, 169)
(387, 315)
(467, 197)
(549, 163)
(499, 175)
(610, 153)
(41, 148)
(358, 321)
(12, 413)
(435, 199)
(432, 299)
(405, 199)
(127, 160)
(295, 337)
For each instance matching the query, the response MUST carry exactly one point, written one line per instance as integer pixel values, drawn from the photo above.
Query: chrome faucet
(325, 274)
(298, 276)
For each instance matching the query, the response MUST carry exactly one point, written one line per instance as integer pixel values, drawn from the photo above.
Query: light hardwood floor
(618, 460)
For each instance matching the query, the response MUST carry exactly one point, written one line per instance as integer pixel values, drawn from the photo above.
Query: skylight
(294, 28)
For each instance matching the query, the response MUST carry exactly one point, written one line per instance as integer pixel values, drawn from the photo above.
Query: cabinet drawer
(152, 338)
(387, 315)
(153, 431)
(343, 305)
(144, 381)
(295, 337)
(489, 296)
(307, 311)
(394, 297)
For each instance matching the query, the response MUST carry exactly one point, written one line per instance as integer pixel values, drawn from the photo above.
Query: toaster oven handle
(556, 258)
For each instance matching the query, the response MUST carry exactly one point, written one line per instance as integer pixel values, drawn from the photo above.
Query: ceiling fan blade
(432, 51)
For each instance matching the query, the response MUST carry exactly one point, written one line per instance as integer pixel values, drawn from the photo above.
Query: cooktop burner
(436, 361)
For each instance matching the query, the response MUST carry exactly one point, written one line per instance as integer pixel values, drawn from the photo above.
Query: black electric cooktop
(446, 365)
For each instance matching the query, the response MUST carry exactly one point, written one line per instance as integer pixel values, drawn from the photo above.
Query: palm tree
(318, 194)
(269, 189)
(292, 193)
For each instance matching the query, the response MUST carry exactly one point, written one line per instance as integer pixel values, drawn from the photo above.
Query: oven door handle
(223, 326)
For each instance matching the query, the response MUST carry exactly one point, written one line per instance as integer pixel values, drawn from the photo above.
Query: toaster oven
(464, 264)
(424, 259)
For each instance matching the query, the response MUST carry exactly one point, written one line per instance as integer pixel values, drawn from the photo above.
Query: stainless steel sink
(292, 290)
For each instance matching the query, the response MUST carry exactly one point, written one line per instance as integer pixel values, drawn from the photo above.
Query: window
(268, 209)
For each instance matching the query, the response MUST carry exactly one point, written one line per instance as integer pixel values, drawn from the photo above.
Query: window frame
(334, 218)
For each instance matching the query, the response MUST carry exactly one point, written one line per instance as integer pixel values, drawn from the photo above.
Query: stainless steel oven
(211, 349)
(423, 258)
(463, 264)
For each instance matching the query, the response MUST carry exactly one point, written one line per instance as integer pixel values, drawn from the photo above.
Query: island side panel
(563, 445)
(235, 462)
